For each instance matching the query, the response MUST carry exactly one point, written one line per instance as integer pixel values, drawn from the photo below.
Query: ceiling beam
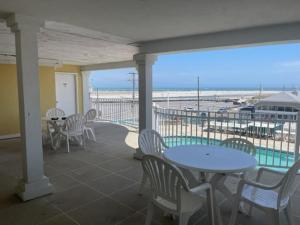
(107, 66)
(262, 35)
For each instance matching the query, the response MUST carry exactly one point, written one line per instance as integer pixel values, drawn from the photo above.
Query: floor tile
(134, 173)
(73, 197)
(137, 219)
(89, 173)
(60, 220)
(95, 158)
(110, 183)
(102, 212)
(131, 197)
(116, 165)
(63, 182)
(64, 165)
(29, 213)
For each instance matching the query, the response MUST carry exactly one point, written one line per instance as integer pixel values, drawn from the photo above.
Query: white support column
(144, 63)
(85, 90)
(34, 183)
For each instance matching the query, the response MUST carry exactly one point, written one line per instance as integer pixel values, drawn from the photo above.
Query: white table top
(207, 158)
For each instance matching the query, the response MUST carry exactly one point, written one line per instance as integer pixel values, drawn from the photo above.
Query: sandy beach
(181, 93)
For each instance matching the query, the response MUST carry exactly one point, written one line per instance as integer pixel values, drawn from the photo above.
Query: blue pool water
(264, 156)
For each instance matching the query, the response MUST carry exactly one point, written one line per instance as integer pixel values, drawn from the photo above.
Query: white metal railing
(277, 140)
(117, 110)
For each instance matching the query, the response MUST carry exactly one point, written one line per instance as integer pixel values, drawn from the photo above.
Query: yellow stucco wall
(9, 108)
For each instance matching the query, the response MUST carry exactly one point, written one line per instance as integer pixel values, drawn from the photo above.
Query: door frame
(75, 76)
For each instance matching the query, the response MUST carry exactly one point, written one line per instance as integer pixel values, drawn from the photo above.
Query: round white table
(211, 159)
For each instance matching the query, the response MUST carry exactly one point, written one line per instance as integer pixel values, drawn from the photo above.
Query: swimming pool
(264, 156)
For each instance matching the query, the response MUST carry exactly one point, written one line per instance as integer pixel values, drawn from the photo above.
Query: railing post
(154, 110)
(208, 128)
(97, 103)
(297, 142)
(120, 111)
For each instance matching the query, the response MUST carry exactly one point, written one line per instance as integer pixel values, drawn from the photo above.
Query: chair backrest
(166, 180)
(150, 142)
(54, 112)
(90, 115)
(240, 144)
(74, 123)
(289, 184)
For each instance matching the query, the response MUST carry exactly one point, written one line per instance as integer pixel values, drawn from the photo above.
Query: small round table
(211, 159)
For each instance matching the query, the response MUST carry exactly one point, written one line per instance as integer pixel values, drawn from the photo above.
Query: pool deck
(96, 186)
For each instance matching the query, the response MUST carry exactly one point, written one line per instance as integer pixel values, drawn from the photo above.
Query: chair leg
(93, 134)
(149, 214)
(235, 209)
(143, 182)
(68, 144)
(51, 139)
(274, 217)
(288, 213)
(83, 141)
(183, 219)
(87, 134)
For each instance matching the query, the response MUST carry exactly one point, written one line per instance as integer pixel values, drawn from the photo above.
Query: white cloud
(291, 64)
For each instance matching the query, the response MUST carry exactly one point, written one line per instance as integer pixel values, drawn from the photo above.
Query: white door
(65, 86)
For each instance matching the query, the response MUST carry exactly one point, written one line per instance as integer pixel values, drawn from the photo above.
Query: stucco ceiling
(120, 22)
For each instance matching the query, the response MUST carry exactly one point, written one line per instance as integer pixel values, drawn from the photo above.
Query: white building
(284, 105)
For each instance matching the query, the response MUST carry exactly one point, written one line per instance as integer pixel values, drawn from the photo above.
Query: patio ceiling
(65, 44)
(103, 31)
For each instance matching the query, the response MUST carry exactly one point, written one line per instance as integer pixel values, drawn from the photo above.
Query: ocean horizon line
(195, 89)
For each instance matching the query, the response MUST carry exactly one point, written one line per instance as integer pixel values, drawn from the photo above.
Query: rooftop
(95, 186)
(283, 97)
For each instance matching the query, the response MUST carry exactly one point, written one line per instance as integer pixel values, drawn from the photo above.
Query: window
(288, 109)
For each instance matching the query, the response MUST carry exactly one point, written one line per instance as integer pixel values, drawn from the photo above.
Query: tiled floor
(96, 186)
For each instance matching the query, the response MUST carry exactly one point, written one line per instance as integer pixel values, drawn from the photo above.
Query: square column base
(138, 154)
(39, 188)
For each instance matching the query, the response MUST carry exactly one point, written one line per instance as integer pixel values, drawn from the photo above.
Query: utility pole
(133, 79)
(198, 94)
(260, 91)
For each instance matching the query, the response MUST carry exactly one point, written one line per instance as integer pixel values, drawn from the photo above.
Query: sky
(272, 67)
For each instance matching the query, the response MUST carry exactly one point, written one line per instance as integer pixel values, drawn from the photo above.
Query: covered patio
(98, 185)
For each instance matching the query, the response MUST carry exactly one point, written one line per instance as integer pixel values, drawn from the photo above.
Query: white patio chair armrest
(201, 187)
(236, 175)
(259, 185)
(263, 169)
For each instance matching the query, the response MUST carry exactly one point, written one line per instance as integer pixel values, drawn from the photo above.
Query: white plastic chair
(74, 129)
(170, 191)
(51, 125)
(54, 112)
(89, 119)
(239, 144)
(272, 199)
(151, 143)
